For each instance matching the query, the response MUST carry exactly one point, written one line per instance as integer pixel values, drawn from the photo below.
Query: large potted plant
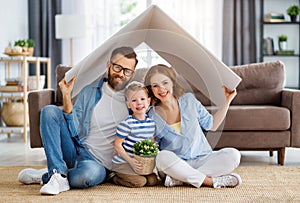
(293, 11)
(145, 152)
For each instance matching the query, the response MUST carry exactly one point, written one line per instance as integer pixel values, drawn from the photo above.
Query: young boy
(134, 128)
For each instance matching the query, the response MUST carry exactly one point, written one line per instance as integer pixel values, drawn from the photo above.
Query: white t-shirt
(107, 114)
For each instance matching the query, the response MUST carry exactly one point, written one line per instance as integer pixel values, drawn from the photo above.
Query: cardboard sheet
(162, 34)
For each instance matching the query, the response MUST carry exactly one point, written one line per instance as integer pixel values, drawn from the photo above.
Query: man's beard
(114, 85)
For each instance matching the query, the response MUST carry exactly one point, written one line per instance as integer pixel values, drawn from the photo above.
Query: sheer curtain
(202, 19)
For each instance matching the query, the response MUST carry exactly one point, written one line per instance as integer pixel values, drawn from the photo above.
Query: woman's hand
(229, 95)
(222, 111)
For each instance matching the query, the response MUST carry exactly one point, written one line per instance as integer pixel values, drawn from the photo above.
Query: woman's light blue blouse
(191, 143)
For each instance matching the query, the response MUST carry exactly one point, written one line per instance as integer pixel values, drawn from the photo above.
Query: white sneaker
(170, 182)
(230, 180)
(31, 175)
(56, 185)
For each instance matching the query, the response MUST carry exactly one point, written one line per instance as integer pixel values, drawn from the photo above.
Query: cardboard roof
(162, 34)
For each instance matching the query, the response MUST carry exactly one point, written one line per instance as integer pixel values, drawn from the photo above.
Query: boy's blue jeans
(66, 156)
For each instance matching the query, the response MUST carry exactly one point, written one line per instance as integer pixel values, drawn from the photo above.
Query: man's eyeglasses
(118, 68)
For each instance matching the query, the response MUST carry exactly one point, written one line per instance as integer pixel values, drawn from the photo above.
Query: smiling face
(161, 86)
(118, 80)
(138, 101)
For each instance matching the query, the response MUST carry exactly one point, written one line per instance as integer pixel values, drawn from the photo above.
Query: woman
(186, 156)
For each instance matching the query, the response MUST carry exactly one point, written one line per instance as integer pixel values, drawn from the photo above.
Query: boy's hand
(136, 165)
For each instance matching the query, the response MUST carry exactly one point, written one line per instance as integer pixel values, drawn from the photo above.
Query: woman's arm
(222, 111)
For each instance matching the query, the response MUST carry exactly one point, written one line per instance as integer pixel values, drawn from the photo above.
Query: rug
(260, 184)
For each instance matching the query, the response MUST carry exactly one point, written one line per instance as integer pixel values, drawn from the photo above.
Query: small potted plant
(145, 152)
(293, 11)
(30, 44)
(27, 45)
(282, 42)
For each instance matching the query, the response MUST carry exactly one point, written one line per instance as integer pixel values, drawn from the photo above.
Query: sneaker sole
(238, 177)
(53, 193)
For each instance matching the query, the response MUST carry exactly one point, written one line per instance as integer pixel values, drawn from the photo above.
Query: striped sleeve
(123, 129)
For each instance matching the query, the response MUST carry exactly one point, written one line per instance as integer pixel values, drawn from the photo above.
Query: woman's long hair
(178, 90)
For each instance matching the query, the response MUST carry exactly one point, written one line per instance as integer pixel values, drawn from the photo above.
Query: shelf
(281, 23)
(297, 55)
(11, 94)
(16, 130)
(23, 62)
(269, 31)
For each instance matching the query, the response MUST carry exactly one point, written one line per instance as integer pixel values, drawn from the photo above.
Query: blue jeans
(65, 155)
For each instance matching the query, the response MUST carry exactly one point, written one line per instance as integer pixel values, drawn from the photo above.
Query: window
(202, 19)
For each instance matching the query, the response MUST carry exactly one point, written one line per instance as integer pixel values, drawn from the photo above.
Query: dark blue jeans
(65, 155)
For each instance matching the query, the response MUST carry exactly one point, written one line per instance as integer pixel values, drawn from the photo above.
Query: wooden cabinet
(22, 64)
(273, 30)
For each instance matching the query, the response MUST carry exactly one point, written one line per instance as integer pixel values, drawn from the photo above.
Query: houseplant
(282, 42)
(145, 152)
(30, 44)
(27, 45)
(293, 11)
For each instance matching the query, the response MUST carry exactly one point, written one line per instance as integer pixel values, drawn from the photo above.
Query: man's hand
(66, 88)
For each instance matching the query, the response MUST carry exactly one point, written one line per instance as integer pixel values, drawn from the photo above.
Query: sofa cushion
(261, 83)
(256, 118)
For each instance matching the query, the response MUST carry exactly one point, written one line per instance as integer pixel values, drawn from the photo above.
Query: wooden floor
(14, 152)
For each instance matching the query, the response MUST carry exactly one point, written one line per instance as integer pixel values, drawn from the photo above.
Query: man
(78, 140)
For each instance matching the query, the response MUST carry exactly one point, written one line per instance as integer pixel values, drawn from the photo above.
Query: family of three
(90, 142)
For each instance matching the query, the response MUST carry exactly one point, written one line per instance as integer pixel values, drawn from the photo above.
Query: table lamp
(69, 27)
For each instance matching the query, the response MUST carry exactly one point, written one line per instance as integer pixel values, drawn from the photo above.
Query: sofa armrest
(291, 99)
(36, 101)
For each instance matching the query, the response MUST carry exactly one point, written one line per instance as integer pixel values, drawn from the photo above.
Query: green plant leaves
(25, 43)
(145, 148)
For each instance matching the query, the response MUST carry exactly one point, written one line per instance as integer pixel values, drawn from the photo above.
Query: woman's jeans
(66, 156)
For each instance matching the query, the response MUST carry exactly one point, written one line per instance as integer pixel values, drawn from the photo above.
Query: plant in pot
(27, 45)
(293, 11)
(282, 42)
(30, 44)
(145, 152)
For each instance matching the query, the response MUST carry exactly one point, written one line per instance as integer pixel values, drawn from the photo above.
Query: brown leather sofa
(263, 116)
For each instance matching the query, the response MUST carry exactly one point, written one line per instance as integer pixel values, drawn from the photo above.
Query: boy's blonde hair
(134, 87)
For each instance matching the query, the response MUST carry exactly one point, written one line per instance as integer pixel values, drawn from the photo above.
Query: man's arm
(66, 89)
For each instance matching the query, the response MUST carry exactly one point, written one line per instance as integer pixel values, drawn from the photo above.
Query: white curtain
(202, 19)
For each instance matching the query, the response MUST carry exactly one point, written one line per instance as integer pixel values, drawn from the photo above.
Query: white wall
(14, 26)
(14, 21)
